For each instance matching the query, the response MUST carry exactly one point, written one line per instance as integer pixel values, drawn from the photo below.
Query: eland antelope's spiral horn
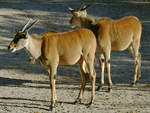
(87, 6)
(29, 27)
(24, 28)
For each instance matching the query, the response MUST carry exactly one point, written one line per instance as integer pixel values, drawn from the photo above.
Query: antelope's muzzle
(9, 47)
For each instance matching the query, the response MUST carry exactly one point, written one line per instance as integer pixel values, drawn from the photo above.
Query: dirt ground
(24, 88)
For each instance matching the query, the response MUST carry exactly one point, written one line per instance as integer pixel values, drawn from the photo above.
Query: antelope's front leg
(102, 66)
(52, 74)
(31, 59)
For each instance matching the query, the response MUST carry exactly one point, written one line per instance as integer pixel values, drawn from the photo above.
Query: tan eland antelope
(67, 48)
(112, 35)
(31, 58)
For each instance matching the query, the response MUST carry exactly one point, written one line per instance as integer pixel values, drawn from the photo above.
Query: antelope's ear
(17, 31)
(26, 34)
(71, 10)
(78, 14)
(84, 12)
(83, 8)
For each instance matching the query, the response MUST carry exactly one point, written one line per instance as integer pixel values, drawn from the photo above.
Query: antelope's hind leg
(107, 65)
(92, 74)
(84, 77)
(139, 67)
(137, 63)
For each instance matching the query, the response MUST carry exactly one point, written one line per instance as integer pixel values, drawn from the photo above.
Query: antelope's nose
(8, 47)
(70, 21)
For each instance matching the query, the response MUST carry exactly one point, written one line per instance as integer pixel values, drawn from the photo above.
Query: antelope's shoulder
(73, 32)
(48, 33)
(103, 21)
(129, 18)
(36, 36)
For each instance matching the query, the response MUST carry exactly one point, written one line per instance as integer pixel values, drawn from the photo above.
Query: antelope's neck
(89, 23)
(86, 22)
(33, 45)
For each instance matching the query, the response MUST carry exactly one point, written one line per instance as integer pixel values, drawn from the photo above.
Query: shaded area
(54, 15)
(55, 18)
(22, 105)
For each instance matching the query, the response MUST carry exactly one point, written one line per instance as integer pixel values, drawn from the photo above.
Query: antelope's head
(20, 38)
(78, 14)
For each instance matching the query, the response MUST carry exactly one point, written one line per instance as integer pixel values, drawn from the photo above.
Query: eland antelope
(111, 35)
(66, 48)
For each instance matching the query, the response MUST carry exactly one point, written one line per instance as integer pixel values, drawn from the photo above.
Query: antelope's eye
(17, 38)
(23, 36)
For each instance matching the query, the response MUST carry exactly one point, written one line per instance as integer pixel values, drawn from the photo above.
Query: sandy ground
(24, 88)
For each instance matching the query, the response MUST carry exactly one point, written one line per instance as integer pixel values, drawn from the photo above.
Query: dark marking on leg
(108, 61)
(78, 101)
(99, 87)
(102, 60)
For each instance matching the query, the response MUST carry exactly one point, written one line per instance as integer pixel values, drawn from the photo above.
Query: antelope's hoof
(52, 107)
(78, 101)
(109, 89)
(138, 78)
(133, 84)
(99, 87)
(90, 104)
(138, 81)
(31, 61)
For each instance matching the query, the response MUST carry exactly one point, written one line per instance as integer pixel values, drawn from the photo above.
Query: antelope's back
(70, 41)
(69, 46)
(73, 39)
(86, 37)
(128, 25)
(122, 28)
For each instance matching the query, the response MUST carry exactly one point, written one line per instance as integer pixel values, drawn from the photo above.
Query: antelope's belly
(120, 46)
(69, 60)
